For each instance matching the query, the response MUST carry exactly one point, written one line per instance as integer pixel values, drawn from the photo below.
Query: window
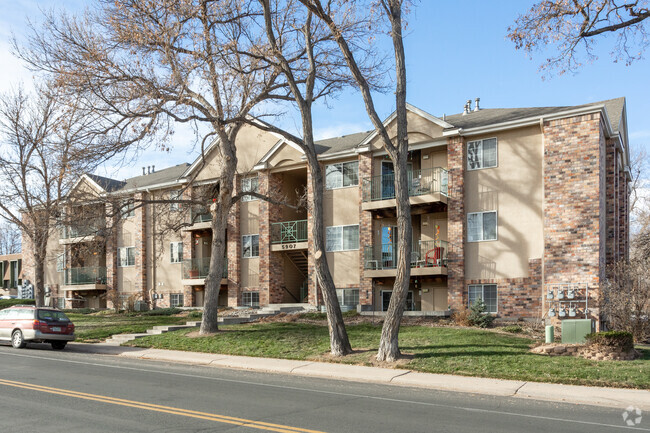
(385, 300)
(250, 245)
(487, 292)
(482, 226)
(348, 297)
(60, 262)
(174, 196)
(175, 300)
(342, 238)
(482, 154)
(342, 175)
(126, 256)
(250, 299)
(176, 252)
(127, 208)
(249, 184)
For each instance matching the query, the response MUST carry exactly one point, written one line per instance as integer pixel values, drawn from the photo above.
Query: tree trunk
(209, 322)
(40, 247)
(339, 342)
(389, 343)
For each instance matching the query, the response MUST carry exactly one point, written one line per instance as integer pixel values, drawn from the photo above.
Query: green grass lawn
(92, 327)
(464, 351)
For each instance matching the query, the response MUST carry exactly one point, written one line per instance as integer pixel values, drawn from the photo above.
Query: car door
(4, 323)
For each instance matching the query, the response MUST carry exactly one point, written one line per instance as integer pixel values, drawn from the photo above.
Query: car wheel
(17, 340)
(58, 345)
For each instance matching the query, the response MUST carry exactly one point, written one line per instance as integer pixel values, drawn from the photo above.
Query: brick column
(365, 231)
(188, 296)
(611, 195)
(624, 216)
(315, 297)
(111, 252)
(456, 291)
(575, 208)
(233, 247)
(141, 246)
(271, 263)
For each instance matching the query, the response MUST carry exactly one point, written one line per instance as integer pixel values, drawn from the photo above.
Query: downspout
(153, 256)
(543, 291)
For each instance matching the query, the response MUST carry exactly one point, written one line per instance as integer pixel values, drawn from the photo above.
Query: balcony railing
(87, 275)
(420, 182)
(425, 254)
(202, 217)
(199, 268)
(289, 232)
(90, 228)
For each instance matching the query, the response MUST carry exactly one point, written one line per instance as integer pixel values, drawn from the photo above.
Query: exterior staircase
(270, 310)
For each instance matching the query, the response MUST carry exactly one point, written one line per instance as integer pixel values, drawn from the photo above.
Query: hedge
(5, 303)
(618, 339)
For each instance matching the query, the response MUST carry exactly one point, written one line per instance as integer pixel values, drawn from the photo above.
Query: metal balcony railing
(420, 182)
(199, 268)
(289, 232)
(425, 254)
(86, 275)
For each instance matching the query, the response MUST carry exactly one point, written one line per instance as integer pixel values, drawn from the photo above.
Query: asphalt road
(46, 391)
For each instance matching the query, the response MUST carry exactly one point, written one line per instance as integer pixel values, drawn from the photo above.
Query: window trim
(342, 228)
(343, 291)
(496, 165)
(119, 264)
(342, 176)
(127, 208)
(247, 198)
(251, 304)
(496, 226)
(175, 194)
(179, 297)
(258, 246)
(496, 292)
(171, 255)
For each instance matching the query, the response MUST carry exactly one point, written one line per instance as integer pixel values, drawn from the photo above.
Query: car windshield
(52, 315)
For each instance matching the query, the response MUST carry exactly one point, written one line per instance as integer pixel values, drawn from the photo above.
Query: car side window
(3, 314)
(10, 314)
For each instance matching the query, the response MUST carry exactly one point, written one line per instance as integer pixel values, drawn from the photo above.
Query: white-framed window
(175, 300)
(342, 238)
(482, 154)
(127, 208)
(250, 245)
(482, 226)
(176, 252)
(342, 175)
(174, 196)
(125, 256)
(348, 297)
(487, 292)
(249, 184)
(250, 299)
(60, 262)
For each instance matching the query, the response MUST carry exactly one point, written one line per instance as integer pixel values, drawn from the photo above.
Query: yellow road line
(158, 408)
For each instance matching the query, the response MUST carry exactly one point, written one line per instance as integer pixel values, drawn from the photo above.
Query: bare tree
(9, 239)
(571, 26)
(147, 65)
(398, 152)
(45, 148)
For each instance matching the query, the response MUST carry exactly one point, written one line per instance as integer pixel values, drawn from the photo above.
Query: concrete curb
(595, 396)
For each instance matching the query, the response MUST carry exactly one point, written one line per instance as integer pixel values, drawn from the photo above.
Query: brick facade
(141, 246)
(233, 248)
(456, 289)
(271, 267)
(365, 231)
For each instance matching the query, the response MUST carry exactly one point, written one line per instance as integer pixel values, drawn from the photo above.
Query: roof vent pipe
(468, 107)
(144, 171)
(476, 107)
(153, 168)
(148, 169)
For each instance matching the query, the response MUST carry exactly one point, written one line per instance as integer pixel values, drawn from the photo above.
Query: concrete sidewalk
(609, 397)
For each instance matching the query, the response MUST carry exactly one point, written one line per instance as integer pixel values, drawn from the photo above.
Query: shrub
(461, 317)
(80, 310)
(513, 329)
(160, 312)
(4, 303)
(478, 316)
(615, 339)
(196, 314)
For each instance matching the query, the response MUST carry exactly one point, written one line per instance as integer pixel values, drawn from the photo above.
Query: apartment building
(11, 272)
(523, 208)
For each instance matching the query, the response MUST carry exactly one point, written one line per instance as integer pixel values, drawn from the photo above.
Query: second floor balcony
(425, 186)
(200, 219)
(195, 271)
(289, 235)
(82, 232)
(90, 277)
(427, 258)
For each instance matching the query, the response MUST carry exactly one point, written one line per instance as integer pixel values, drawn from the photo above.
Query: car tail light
(70, 328)
(40, 325)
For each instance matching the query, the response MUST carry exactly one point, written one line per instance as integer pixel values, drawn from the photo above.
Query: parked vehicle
(26, 323)
(9, 297)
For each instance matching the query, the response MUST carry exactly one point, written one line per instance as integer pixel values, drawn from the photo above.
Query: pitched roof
(109, 185)
(491, 116)
(157, 177)
(334, 145)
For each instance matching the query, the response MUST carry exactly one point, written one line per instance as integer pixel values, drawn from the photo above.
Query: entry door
(389, 246)
(387, 180)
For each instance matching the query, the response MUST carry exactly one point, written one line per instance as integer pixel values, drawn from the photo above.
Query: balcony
(86, 278)
(200, 220)
(86, 233)
(289, 235)
(195, 271)
(427, 258)
(425, 186)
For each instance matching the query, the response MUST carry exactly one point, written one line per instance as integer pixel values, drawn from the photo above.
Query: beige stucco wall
(250, 217)
(514, 190)
(420, 130)
(344, 266)
(250, 272)
(126, 238)
(293, 183)
(285, 156)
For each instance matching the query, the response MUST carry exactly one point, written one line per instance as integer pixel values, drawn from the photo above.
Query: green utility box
(574, 331)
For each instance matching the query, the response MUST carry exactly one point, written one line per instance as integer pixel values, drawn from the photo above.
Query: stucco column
(365, 231)
(456, 292)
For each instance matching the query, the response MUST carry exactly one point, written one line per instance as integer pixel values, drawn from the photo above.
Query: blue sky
(454, 52)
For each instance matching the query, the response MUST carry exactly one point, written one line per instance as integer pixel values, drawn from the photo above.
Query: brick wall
(456, 291)
(365, 230)
(111, 252)
(141, 246)
(271, 269)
